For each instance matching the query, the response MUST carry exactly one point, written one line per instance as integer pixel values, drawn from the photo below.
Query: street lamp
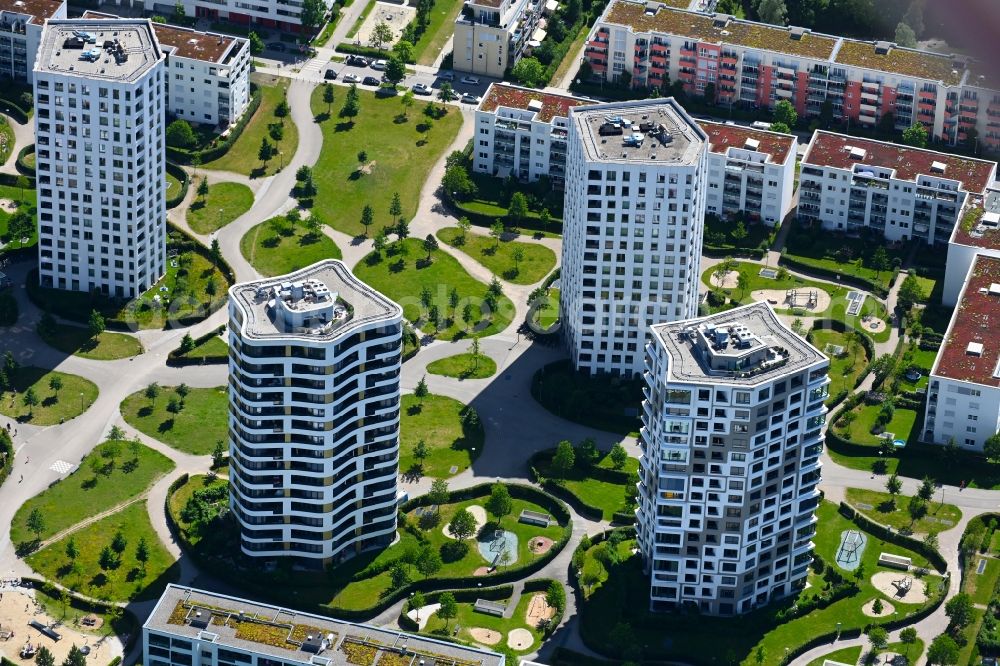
(281, 160)
(81, 401)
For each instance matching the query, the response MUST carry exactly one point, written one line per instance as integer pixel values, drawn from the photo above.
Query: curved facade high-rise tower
(314, 402)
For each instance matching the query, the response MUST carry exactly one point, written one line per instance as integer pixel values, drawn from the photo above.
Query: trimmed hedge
(886, 534)
(176, 358)
(736, 253)
(366, 51)
(845, 278)
(580, 505)
(7, 455)
(20, 165)
(10, 180)
(483, 220)
(184, 156)
(181, 175)
(15, 110)
(178, 482)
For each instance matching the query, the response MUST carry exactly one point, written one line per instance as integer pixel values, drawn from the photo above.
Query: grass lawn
(970, 633)
(468, 618)
(129, 579)
(361, 19)
(274, 253)
(570, 60)
(179, 498)
(439, 29)
(107, 346)
(437, 420)
(26, 200)
(849, 655)
(538, 260)
(836, 252)
(85, 493)
(71, 615)
(74, 398)
(895, 514)
(844, 368)
(213, 347)
(623, 596)
(400, 153)
(242, 157)
(859, 431)
(607, 496)
(194, 429)
(225, 202)
(403, 275)
(464, 366)
(980, 586)
(602, 402)
(550, 315)
(173, 185)
(493, 197)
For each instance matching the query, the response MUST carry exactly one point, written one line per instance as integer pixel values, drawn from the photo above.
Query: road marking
(62, 467)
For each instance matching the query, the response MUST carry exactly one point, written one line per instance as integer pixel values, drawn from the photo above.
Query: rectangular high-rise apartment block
(733, 422)
(848, 184)
(633, 219)
(191, 627)
(522, 133)
(751, 172)
(100, 160)
(313, 414)
(963, 394)
(492, 35)
(756, 65)
(21, 23)
(978, 232)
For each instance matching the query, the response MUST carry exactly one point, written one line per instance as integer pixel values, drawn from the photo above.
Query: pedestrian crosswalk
(62, 467)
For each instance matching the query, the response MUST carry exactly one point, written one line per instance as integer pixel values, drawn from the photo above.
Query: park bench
(894, 561)
(489, 607)
(534, 518)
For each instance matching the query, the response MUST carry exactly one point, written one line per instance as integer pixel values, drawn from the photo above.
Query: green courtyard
(893, 512)
(281, 245)
(58, 396)
(451, 438)
(199, 422)
(224, 203)
(849, 256)
(848, 357)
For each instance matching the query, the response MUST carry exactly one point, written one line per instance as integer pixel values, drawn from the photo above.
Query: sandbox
(478, 512)
(808, 299)
(538, 610)
(485, 636)
(890, 583)
(728, 281)
(519, 639)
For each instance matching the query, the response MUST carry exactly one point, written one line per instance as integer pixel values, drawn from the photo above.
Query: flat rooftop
(722, 137)
(830, 149)
(364, 305)
(186, 42)
(118, 50)
(786, 351)
(647, 131)
(546, 106)
(971, 349)
(294, 636)
(39, 10)
(980, 223)
(887, 57)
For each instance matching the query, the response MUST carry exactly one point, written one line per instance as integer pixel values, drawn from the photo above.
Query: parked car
(379, 65)
(446, 76)
(351, 78)
(357, 60)
(470, 99)
(421, 89)
(470, 80)
(277, 46)
(370, 81)
(330, 75)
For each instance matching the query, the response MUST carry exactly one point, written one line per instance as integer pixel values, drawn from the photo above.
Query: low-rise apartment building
(750, 172)
(633, 221)
(259, 14)
(491, 35)
(848, 183)
(192, 627)
(978, 232)
(963, 395)
(732, 433)
(522, 133)
(756, 65)
(21, 24)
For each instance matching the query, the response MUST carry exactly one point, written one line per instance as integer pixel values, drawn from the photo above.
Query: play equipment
(852, 545)
(807, 297)
(903, 585)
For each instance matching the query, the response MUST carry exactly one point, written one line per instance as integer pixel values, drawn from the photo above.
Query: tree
(879, 638)
(742, 283)
(880, 260)
(618, 456)
(256, 43)
(406, 101)
(910, 292)
(218, 454)
(429, 561)
(30, 400)
(709, 93)
(943, 651)
(142, 553)
(399, 576)
(926, 491)
(908, 636)
(448, 609)
(313, 14)
(457, 183)
(421, 390)
(95, 323)
(402, 229)
(119, 543)
(462, 525)
(328, 96)
(555, 596)
(739, 232)
(496, 230)
(420, 451)
(785, 113)
(395, 70)
(529, 72)
(20, 226)
(517, 212)
(563, 460)
(915, 135)
(430, 245)
(518, 256)
(446, 93)
(772, 11)
(36, 523)
(22, 183)
(352, 105)
(180, 135)
(464, 225)
(76, 657)
(381, 35)
(404, 50)
(905, 35)
(215, 252)
(417, 601)
(877, 606)
(917, 508)
(380, 241)
(72, 552)
(395, 207)
(959, 610)
(438, 493)
(152, 392)
(266, 151)
(203, 188)
(893, 485)
(499, 503)
(781, 128)
(367, 217)
(991, 448)
(44, 657)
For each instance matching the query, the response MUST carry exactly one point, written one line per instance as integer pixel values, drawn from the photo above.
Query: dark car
(370, 81)
(330, 75)
(357, 60)
(276, 46)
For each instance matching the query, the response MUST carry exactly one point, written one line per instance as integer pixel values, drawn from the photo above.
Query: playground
(851, 548)
(478, 513)
(805, 298)
(494, 543)
(393, 15)
(901, 587)
(728, 281)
